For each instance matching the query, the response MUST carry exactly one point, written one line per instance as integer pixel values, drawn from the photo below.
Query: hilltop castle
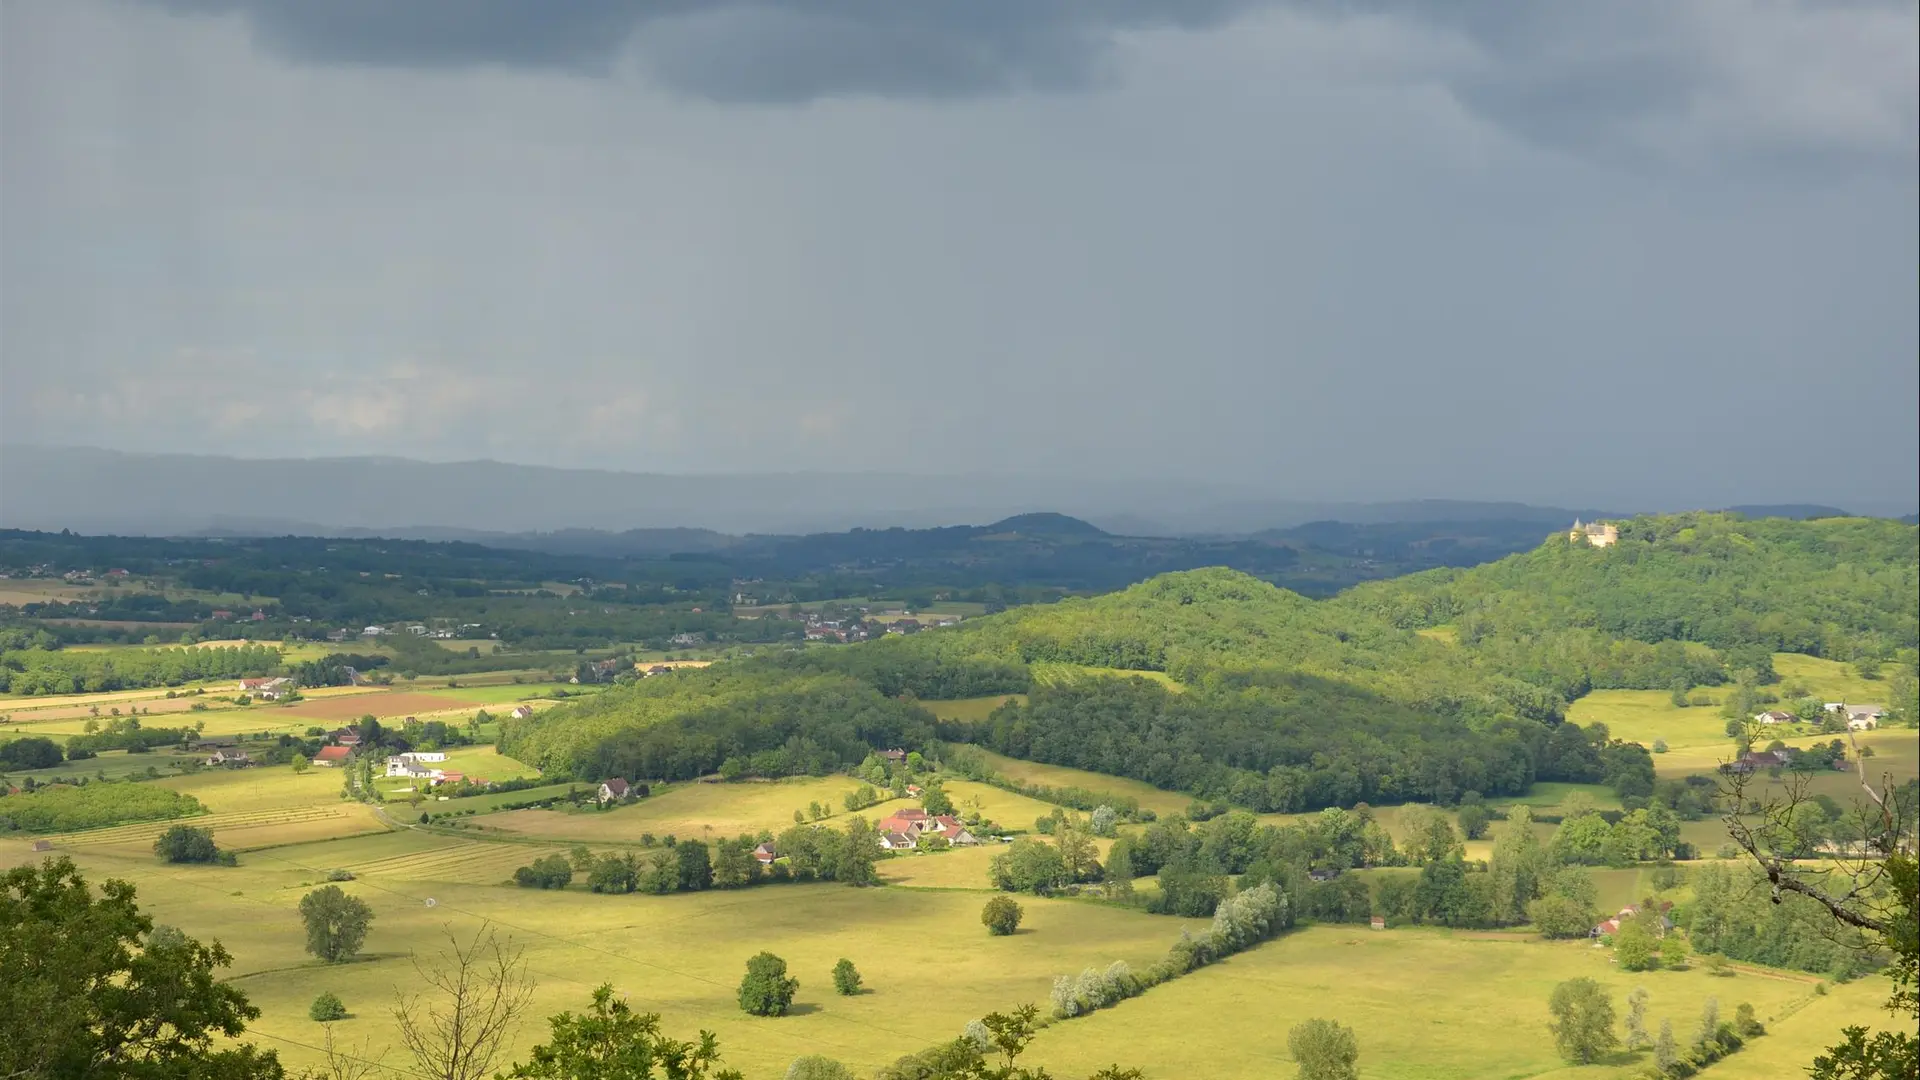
(1599, 533)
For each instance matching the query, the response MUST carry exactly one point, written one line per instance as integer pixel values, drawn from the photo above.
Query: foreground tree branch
(482, 988)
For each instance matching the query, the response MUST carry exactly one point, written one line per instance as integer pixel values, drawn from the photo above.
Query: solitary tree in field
(300, 763)
(186, 844)
(766, 990)
(336, 923)
(846, 978)
(1001, 916)
(1582, 1022)
(327, 1007)
(1324, 1050)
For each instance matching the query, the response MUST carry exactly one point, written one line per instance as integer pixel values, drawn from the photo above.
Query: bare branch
(483, 988)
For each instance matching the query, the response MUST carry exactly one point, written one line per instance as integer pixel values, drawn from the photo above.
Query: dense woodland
(1426, 688)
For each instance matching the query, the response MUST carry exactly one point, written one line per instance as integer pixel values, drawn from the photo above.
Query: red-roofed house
(449, 778)
(949, 828)
(332, 755)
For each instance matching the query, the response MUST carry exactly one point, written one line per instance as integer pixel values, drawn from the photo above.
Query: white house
(614, 790)
(1859, 717)
(1773, 716)
(267, 689)
(521, 712)
(416, 766)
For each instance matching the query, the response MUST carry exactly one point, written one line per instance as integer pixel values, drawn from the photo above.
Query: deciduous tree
(1582, 1023)
(336, 923)
(1001, 915)
(1324, 1050)
(81, 996)
(766, 989)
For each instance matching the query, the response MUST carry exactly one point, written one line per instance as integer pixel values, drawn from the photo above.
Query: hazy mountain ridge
(104, 491)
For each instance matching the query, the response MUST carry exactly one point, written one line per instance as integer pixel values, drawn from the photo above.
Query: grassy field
(970, 709)
(1158, 800)
(259, 788)
(1427, 1005)
(698, 811)
(1050, 674)
(682, 955)
(382, 704)
(502, 694)
(679, 955)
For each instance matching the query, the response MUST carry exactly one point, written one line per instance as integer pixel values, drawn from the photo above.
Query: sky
(1645, 253)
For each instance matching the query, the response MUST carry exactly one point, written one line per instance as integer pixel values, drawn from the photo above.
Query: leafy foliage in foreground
(91, 991)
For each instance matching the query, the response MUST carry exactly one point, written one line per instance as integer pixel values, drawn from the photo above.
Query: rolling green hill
(1292, 703)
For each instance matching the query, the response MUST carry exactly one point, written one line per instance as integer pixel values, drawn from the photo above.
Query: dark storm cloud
(1592, 254)
(1646, 74)
(728, 50)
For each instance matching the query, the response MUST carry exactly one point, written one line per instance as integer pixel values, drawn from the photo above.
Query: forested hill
(1833, 587)
(1420, 688)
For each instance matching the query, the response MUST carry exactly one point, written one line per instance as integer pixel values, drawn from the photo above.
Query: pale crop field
(1159, 800)
(503, 693)
(970, 709)
(234, 831)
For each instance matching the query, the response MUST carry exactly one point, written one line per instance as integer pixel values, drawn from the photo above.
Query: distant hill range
(104, 491)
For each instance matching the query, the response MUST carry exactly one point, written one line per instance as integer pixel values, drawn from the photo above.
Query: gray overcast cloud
(1643, 252)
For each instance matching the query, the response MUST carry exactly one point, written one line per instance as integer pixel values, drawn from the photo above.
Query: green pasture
(506, 693)
(482, 804)
(1427, 1005)
(681, 955)
(1828, 680)
(698, 811)
(1545, 796)
(259, 788)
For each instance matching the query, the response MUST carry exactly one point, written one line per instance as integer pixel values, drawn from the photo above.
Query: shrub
(1002, 915)
(327, 1007)
(815, 1067)
(766, 990)
(550, 872)
(846, 978)
(339, 875)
